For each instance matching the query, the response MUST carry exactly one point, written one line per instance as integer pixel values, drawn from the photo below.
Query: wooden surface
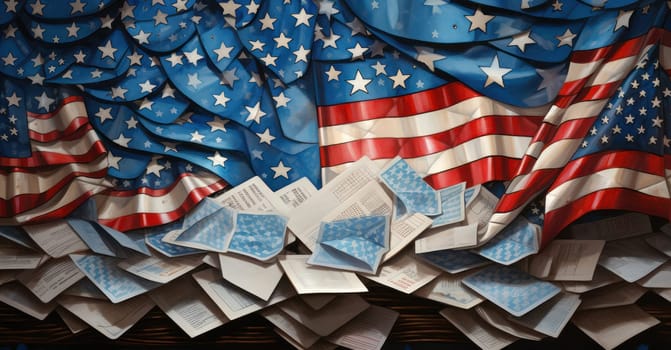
(419, 325)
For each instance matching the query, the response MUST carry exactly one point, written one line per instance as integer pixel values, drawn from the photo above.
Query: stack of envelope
(304, 258)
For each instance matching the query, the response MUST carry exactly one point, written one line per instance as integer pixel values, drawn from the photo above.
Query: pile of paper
(300, 256)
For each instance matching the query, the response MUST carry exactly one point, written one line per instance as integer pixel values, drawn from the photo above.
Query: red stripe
(623, 49)
(55, 112)
(536, 182)
(607, 199)
(398, 106)
(143, 220)
(44, 158)
(476, 172)
(59, 134)
(62, 211)
(412, 147)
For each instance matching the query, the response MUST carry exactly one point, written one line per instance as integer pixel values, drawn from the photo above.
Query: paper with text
(160, 269)
(17, 257)
(404, 231)
(51, 279)
(659, 278)
(481, 333)
(452, 204)
(631, 259)
(448, 289)
(551, 317)
(618, 294)
(308, 279)
(498, 319)
(56, 238)
(617, 227)
(405, 273)
(574, 260)
(19, 297)
(367, 331)
(255, 195)
(454, 261)
(602, 277)
(452, 238)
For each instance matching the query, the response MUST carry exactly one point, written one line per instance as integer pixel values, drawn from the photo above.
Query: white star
(269, 60)
(38, 32)
(280, 170)
(495, 73)
(174, 59)
(359, 83)
(253, 7)
(36, 79)
(13, 100)
(399, 79)
(104, 114)
(255, 113)
(10, 31)
(479, 20)
(142, 37)
(217, 159)
(265, 137)
(193, 80)
(119, 92)
(379, 68)
(557, 6)
(302, 18)
(652, 141)
(168, 91)
(217, 124)
(193, 57)
(180, 5)
(229, 7)
(257, 45)
(623, 19)
(11, 5)
(374, 5)
(112, 160)
(522, 40)
(267, 22)
(146, 104)
(566, 38)
(107, 50)
(147, 86)
(333, 74)
(221, 99)
(37, 8)
(135, 58)
(160, 18)
(301, 54)
(77, 6)
(154, 168)
(326, 8)
(44, 101)
(282, 41)
(97, 73)
(9, 59)
(79, 56)
(331, 40)
(629, 137)
(426, 56)
(223, 51)
(72, 30)
(106, 22)
(656, 102)
(170, 146)
(196, 137)
(657, 122)
(122, 140)
(281, 100)
(357, 51)
(604, 139)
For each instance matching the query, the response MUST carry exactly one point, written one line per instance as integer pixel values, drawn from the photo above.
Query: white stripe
(612, 71)
(577, 71)
(425, 123)
(20, 183)
(60, 121)
(571, 190)
(665, 55)
(111, 207)
(74, 147)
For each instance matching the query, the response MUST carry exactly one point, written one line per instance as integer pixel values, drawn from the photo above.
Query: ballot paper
(410, 188)
(480, 332)
(304, 221)
(602, 277)
(659, 278)
(404, 231)
(18, 257)
(131, 240)
(331, 317)
(308, 279)
(85, 289)
(511, 289)
(233, 301)
(160, 269)
(19, 297)
(614, 228)
(631, 259)
(451, 238)
(613, 326)
(367, 331)
(112, 320)
(154, 238)
(618, 294)
(660, 241)
(574, 260)
(454, 261)
(449, 289)
(405, 273)
(354, 244)
(212, 259)
(317, 301)
(291, 328)
(255, 277)
(255, 195)
(295, 194)
(51, 279)
(480, 209)
(97, 242)
(117, 284)
(205, 208)
(517, 241)
(195, 314)
(260, 236)
(74, 324)
(452, 204)
(551, 317)
(17, 235)
(56, 238)
(211, 233)
(498, 319)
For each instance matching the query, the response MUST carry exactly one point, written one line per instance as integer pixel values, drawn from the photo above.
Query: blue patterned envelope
(355, 244)
(515, 242)
(409, 187)
(210, 233)
(258, 235)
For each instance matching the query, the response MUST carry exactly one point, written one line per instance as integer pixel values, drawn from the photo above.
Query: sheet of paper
(308, 279)
(478, 331)
(212, 259)
(255, 195)
(52, 278)
(617, 227)
(211, 233)
(664, 293)
(19, 297)
(452, 204)
(454, 237)
(56, 238)
(404, 231)
(258, 235)
(631, 259)
(448, 289)
(367, 331)
(551, 317)
(74, 324)
(304, 221)
(540, 264)
(154, 238)
(619, 294)
(290, 327)
(17, 235)
(498, 319)
(85, 289)
(405, 273)
(131, 240)
(160, 269)
(117, 284)
(112, 320)
(513, 290)
(659, 278)
(660, 241)
(188, 306)
(613, 326)
(331, 317)
(454, 261)
(7, 276)
(574, 260)
(417, 195)
(234, 301)
(296, 193)
(517, 241)
(96, 241)
(16, 257)
(602, 277)
(255, 277)
(317, 301)
(480, 210)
